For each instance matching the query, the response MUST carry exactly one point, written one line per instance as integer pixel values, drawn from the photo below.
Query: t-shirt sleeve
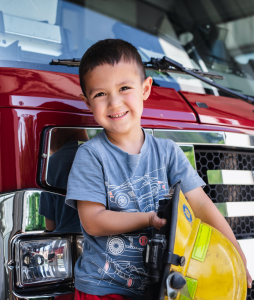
(47, 206)
(180, 169)
(86, 179)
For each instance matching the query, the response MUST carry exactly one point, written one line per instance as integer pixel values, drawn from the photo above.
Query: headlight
(42, 260)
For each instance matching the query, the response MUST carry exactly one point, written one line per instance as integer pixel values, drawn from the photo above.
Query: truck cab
(43, 121)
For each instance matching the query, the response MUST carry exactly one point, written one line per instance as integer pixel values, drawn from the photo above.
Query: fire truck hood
(220, 110)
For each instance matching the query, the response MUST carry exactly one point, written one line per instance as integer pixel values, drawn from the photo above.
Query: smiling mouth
(118, 115)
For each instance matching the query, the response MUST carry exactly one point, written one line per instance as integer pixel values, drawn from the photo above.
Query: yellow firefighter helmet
(208, 262)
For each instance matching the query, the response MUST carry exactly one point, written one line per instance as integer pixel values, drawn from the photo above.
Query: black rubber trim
(171, 240)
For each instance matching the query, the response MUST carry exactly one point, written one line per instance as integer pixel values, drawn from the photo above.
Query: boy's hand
(155, 221)
(249, 279)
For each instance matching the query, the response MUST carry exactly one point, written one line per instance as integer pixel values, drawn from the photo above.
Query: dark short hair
(109, 51)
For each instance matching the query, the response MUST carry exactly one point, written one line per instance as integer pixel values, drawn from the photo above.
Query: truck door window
(63, 145)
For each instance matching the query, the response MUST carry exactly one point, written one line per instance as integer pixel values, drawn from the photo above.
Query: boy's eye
(124, 88)
(99, 95)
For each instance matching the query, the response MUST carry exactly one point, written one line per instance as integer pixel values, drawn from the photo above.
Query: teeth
(118, 116)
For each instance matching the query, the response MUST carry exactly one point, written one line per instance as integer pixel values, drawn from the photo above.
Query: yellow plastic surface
(222, 274)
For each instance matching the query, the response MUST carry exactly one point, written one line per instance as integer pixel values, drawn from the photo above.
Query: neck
(130, 142)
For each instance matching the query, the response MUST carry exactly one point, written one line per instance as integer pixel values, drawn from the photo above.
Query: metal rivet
(182, 261)
(44, 155)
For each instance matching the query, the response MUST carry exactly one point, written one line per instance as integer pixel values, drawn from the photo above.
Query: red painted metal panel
(36, 83)
(20, 134)
(31, 101)
(20, 139)
(40, 89)
(44, 90)
(222, 110)
(167, 104)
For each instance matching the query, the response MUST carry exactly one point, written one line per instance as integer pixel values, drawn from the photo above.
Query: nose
(114, 101)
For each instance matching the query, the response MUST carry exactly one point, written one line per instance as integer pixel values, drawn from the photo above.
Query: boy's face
(115, 95)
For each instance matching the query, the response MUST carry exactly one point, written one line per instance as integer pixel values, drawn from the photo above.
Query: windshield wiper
(159, 65)
(166, 64)
(150, 65)
(75, 62)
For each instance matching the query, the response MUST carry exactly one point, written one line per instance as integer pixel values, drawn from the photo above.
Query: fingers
(249, 279)
(157, 222)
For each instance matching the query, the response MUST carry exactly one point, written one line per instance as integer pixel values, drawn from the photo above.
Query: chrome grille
(242, 226)
(250, 293)
(210, 159)
(229, 193)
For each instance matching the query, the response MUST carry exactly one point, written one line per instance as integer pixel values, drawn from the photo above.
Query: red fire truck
(41, 117)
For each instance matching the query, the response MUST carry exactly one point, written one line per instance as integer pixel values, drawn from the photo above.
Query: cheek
(98, 108)
(135, 101)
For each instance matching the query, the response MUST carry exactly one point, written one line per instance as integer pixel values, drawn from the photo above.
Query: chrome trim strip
(149, 131)
(236, 209)
(238, 140)
(43, 295)
(247, 246)
(230, 177)
(48, 156)
(192, 137)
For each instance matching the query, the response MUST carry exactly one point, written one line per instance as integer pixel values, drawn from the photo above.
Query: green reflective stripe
(202, 243)
(192, 286)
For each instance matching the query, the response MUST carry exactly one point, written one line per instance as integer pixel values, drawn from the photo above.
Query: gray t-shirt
(102, 172)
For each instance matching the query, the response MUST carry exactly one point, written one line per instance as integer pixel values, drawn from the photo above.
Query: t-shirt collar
(131, 157)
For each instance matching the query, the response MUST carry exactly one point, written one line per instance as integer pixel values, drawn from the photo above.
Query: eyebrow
(121, 83)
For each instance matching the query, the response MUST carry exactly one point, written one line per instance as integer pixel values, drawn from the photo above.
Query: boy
(119, 176)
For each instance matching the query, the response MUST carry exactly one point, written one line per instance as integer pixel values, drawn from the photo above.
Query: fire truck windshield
(213, 36)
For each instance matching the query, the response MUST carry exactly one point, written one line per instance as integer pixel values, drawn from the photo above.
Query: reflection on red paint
(222, 110)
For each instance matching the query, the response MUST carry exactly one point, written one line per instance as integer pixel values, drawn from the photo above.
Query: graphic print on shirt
(139, 193)
(116, 245)
(124, 253)
(124, 273)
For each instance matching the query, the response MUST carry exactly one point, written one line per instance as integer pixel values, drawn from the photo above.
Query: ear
(84, 98)
(147, 85)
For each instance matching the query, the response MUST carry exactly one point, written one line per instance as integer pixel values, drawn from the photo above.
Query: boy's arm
(205, 210)
(98, 221)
